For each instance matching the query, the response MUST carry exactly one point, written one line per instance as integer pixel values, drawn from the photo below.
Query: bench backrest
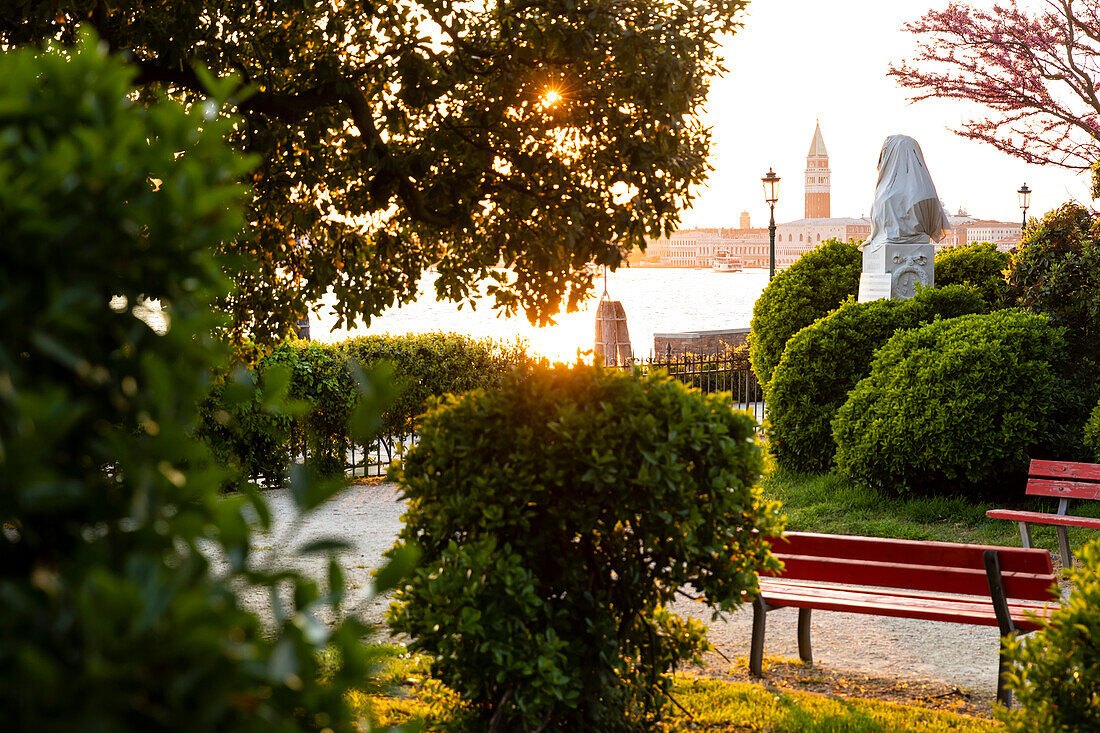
(939, 567)
(1064, 480)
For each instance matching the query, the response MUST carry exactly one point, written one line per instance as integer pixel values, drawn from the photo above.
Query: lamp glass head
(771, 187)
(1025, 197)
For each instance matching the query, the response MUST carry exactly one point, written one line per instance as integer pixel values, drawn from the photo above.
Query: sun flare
(551, 97)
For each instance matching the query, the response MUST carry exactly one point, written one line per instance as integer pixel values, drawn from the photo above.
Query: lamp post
(771, 195)
(1025, 202)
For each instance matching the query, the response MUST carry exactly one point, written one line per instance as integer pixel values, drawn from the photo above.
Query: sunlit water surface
(656, 300)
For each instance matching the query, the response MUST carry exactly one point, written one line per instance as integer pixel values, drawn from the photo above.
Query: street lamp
(1025, 202)
(771, 195)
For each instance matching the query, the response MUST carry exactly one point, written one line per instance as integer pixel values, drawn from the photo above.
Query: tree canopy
(395, 136)
(1035, 70)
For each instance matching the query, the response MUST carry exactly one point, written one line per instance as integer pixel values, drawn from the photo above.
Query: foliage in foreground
(979, 267)
(1056, 671)
(558, 515)
(322, 377)
(824, 361)
(112, 615)
(814, 285)
(955, 406)
(1092, 432)
(385, 148)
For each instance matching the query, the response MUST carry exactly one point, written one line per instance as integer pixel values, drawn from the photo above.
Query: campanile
(817, 178)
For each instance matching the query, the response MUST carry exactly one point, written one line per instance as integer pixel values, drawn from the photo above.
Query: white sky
(796, 61)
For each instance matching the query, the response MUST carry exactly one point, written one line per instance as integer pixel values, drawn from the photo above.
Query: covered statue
(906, 218)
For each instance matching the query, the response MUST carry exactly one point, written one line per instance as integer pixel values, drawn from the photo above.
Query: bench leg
(1063, 548)
(756, 651)
(1004, 695)
(1025, 534)
(805, 652)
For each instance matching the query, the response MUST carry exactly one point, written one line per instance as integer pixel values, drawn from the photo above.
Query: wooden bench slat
(1062, 489)
(890, 606)
(1065, 470)
(777, 588)
(811, 586)
(912, 552)
(914, 577)
(1068, 520)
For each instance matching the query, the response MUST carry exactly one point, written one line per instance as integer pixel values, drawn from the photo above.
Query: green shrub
(112, 617)
(558, 515)
(1056, 271)
(261, 442)
(814, 285)
(953, 407)
(434, 364)
(1055, 673)
(1092, 433)
(980, 267)
(825, 360)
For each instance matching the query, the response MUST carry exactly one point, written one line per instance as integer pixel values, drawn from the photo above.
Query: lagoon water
(656, 300)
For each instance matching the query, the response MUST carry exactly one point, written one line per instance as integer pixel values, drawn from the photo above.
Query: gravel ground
(369, 516)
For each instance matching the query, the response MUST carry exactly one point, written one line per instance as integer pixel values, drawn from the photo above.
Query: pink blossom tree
(1037, 71)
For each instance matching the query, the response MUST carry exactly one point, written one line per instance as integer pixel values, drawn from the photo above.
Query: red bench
(937, 581)
(1065, 480)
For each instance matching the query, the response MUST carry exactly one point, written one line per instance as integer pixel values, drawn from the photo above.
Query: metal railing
(719, 372)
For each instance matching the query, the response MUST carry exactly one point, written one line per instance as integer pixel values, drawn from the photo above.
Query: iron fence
(720, 372)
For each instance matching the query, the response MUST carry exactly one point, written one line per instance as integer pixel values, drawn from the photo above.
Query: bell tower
(817, 178)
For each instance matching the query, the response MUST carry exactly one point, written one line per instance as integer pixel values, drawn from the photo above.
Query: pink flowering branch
(1037, 73)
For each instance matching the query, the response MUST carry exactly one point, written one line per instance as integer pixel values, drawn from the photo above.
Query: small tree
(112, 617)
(1035, 71)
(558, 515)
(1056, 271)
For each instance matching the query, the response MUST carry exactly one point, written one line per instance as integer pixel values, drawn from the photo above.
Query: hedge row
(322, 378)
(825, 360)
(955, 406)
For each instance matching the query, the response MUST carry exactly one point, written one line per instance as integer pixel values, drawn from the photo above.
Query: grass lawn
(828, 503)
(715, 706)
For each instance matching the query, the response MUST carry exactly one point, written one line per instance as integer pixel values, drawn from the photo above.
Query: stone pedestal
(895, 270)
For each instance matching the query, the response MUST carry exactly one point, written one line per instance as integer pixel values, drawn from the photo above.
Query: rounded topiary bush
(953, 406)
(980, 267)
(1092, 433)
(815, 284)
(1055, 673)
(825, 360)
(557, 515)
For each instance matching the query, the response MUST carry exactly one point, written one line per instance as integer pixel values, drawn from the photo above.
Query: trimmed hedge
(980, 267)
(558, 515)
(1092, 433)
(825, 360)
(814, 285)
(321, 377)
(954, 406)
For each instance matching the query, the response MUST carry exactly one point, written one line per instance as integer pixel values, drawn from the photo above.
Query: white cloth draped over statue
(906, 209)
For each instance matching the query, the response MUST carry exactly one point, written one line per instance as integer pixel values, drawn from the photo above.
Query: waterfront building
(697, 247)
(818, 185)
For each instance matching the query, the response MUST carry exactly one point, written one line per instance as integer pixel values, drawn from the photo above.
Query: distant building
(794, 238)
(697, 247)
(818, 183)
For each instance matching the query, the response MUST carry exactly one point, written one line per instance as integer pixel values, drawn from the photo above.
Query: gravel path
(369, 516)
